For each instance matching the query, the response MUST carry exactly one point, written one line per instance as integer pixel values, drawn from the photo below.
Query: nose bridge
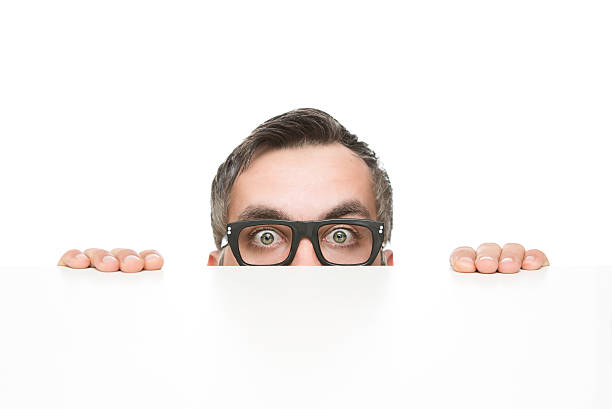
(305, 231)
(305, 254)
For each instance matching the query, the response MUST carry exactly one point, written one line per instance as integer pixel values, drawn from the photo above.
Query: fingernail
(485, 258)
(131, 257)
(529, 259)
(507, 259)
(80, 256)
(151, 257)
(108, 259)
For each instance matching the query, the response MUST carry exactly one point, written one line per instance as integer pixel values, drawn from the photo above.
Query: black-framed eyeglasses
(344, 242)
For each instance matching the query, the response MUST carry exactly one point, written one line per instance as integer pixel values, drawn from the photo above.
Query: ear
(388, 254)
(213, 258)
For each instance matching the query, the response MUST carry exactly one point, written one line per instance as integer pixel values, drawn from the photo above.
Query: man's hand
(489, 258)
(126, 260)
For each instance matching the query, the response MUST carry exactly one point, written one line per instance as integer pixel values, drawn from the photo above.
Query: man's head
(301, 165)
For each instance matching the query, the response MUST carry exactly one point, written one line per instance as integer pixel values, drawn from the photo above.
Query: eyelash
(355, 234)
(263, 228)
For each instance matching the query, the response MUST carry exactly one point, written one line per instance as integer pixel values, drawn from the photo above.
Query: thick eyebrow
(345, 208)
(349, 207)
(262, 212)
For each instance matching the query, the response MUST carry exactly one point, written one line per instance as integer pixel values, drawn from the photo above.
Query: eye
(266, 237)
(340, 236)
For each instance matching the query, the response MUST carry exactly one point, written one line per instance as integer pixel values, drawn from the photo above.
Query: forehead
(303, 182)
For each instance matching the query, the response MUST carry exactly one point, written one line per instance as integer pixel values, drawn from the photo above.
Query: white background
(492, 118)
(306, 337)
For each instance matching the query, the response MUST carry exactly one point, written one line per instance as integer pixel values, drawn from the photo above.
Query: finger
(511, 258)
(534, 259)
(129, 260)
(462, 259)
(74, 259)
(487, 257)
(102, 260)
(152, 259)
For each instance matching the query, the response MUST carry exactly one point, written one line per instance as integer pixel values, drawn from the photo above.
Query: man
(302, 190)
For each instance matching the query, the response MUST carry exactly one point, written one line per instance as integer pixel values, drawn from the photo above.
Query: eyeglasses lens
(265, 244)
(345, 243)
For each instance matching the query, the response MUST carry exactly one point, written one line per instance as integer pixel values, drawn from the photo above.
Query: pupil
(339, 237)
(267, 238)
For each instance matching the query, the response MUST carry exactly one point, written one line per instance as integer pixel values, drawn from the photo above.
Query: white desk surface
(314, 337)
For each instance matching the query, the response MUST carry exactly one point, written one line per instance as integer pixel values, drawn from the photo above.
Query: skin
(305, 183)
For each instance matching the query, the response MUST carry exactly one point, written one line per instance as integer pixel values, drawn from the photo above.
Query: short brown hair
(300, 127)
